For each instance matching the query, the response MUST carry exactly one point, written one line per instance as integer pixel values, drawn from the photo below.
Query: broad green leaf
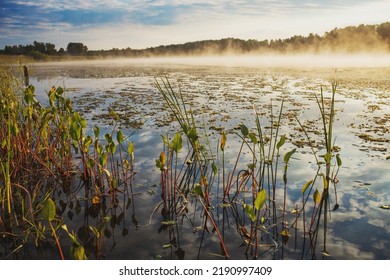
(192, 135)
(198, 190)
(87, 142)
(260, 199)
(119, 137)
(339, 162)
(108, 137)
(130, 148)
(103, 159)
(96, 131)
(244, 130)
(281, 141)
(317, 197)
(90, 163)
(327, 158)
(75, 131)
(306, 185)
(253, 138)
(111, 148)
(59, 91)
(49, 210)
(288, 155)
(113, 114)
(79, 253)
(251, 213)
(177, 143)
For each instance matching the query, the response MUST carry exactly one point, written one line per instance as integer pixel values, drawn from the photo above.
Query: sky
(107, 24)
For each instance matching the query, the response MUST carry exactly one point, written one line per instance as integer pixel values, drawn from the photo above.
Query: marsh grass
(250, 195)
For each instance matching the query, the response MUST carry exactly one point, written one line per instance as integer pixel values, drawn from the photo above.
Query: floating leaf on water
(306, 185)
(260, 199)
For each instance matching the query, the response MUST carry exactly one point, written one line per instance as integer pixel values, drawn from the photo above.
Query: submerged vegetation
(49, 163)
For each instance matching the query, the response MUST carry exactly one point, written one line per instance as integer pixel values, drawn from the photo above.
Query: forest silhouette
(352, 39)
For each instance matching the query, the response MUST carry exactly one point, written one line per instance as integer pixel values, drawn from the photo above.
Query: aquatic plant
(37, 163)
(250, 195)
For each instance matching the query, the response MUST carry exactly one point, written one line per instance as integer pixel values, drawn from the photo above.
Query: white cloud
(152, 23)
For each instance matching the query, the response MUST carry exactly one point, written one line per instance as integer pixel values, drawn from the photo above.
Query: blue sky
(105, 24)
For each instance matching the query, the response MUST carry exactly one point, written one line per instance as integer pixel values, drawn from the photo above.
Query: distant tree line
(40, 50)
(362, 38)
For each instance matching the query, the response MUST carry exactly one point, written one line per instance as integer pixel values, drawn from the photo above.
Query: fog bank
(254, 61)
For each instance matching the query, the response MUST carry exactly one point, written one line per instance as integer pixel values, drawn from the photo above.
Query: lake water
(223, 96)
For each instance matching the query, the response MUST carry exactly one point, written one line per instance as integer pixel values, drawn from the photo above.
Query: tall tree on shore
(76, 48)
